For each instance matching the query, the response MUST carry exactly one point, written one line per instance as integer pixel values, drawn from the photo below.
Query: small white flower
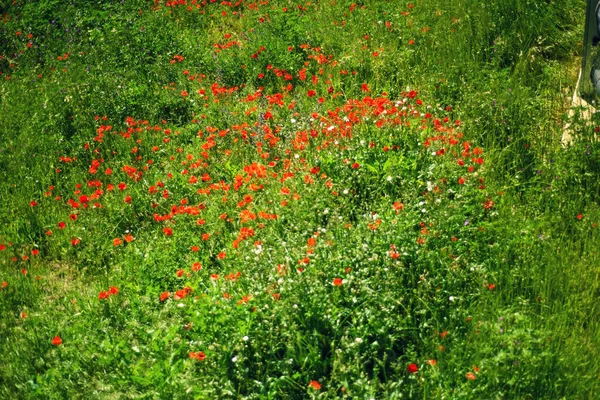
(245, 338)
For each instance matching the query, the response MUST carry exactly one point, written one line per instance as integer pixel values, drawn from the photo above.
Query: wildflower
(337, 282)
(197, 356)
(103, 295)
(56, 341)
(113, 290)
(117, 242)
(168, 231)
(412, 368)
(470, 376)
(314, 385)
(164, 296)
(488, 204)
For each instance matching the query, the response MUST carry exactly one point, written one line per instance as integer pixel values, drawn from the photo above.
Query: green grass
(193, 221)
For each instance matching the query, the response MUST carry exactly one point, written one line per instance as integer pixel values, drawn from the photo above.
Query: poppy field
(285, 200)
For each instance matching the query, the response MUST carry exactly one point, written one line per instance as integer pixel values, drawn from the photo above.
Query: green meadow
(296, 200)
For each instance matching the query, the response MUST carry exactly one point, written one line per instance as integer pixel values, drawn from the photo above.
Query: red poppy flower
(113, 290)
(168, 231)
(56, 341)
(337, 282)
(103, 295)
(412, 368)
(314, 385)
(164, 296)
